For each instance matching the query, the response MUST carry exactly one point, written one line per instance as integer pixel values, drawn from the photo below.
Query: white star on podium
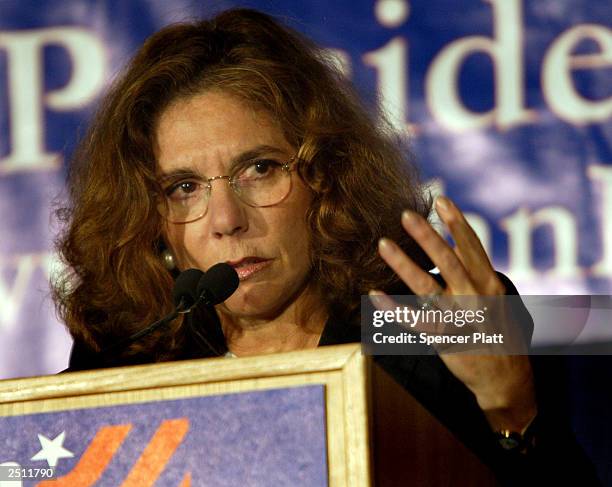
(52, 450)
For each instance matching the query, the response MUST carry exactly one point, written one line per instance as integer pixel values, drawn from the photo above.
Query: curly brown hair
(357, 169)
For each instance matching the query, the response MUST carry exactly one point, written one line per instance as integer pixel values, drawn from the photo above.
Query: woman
(234, 140)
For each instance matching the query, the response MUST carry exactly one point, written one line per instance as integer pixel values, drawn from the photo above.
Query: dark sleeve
(203, 339)
(83, 358)
(557, 458)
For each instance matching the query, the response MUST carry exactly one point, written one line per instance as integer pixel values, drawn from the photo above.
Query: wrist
(509, 404)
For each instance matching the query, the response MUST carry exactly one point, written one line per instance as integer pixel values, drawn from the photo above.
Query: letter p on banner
(25, 85)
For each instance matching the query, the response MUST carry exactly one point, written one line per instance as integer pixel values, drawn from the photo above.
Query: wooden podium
(328, 417)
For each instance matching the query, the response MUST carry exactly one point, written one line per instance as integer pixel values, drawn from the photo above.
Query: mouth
(248, 266)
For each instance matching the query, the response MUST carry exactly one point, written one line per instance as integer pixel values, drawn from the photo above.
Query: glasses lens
(263, 183)
(186, 201)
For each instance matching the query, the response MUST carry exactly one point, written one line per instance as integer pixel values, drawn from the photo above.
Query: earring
(168, 259)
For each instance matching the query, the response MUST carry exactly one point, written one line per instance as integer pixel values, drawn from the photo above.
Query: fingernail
(443, 203)
(385, 245)
(380, 300)
(409, 217)
(376, 297)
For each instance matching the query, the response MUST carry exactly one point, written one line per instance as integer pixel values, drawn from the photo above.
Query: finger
(419, 281)
(439, 252)
(381, 300)
(384, 302)
(469, 249)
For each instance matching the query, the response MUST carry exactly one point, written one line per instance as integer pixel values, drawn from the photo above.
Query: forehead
(210, 129)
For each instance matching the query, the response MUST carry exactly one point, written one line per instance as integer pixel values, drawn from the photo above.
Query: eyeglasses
(257, 183)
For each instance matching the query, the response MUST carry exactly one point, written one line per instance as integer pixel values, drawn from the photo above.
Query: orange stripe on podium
(158, 452)
(186, 480)
(95, 459)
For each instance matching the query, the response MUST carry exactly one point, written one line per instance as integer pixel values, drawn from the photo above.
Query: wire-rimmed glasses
(258, 183)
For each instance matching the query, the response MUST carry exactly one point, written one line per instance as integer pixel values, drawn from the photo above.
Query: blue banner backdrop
(507, 103)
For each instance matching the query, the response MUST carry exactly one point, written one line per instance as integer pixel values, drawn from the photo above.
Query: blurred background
(507, 104)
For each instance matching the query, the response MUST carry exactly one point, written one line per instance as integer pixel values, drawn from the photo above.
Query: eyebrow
(241, 158)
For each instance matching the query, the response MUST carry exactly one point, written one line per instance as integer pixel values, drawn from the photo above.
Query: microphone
(215, 286)
(218, 284)
(185, 291)
(212, 287)
(192, 286)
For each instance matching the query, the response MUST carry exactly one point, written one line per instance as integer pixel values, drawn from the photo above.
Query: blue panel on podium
(270, 437)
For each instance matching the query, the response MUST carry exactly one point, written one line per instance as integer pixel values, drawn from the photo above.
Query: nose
(227, 213)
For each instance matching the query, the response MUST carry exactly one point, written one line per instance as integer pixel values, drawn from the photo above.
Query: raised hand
(502, 383)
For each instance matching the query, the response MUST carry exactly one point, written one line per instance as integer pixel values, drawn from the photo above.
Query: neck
(297, 327)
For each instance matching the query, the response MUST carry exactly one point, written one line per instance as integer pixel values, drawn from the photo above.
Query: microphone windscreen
(219, 283)
(186, 287)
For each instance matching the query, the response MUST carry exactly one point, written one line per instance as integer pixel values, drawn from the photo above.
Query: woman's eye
(182, 189)
(259, 169)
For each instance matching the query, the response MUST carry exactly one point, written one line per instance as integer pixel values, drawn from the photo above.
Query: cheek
(296, 234)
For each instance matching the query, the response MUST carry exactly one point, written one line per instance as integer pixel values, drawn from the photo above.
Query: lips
(248, 266)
